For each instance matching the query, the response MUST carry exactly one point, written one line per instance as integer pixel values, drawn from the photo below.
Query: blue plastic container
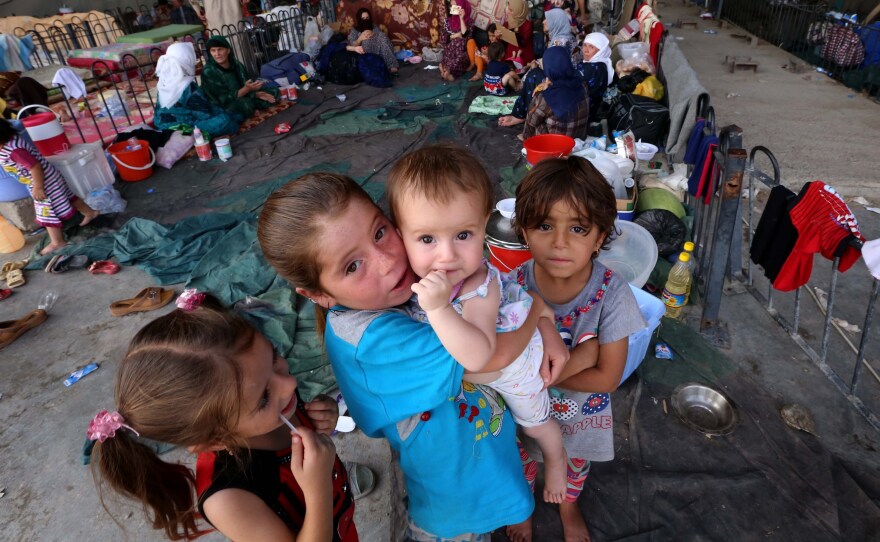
(652, 309)
(10, 188)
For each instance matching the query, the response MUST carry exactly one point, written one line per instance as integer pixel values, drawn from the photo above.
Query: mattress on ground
(112, 54)
(161, 34)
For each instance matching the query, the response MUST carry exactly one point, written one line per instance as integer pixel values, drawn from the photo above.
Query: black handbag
(648, 119)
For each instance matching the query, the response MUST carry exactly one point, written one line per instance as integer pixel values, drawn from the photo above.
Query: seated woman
(455, 57)
(181, 101)
(557, 26)
(226, 83)
(518, 22)
(596, 71)
(365, 37)
(560, 104)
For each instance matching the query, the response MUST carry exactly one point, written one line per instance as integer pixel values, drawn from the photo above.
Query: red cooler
(46, 132)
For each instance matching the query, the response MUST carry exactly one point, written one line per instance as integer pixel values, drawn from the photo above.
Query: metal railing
(254, 42)
(54, 42)
(830, 326)
(803, 29)
(718, 237)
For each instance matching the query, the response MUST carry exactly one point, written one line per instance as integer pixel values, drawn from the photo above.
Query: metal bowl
(704, 409)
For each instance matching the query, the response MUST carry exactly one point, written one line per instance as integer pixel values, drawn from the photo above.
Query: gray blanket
(683, 88)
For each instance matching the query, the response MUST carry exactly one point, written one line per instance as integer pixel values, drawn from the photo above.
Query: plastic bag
(326, 34)
(177, 145)
(667, 230)
(312, 38)
(634, 56)
(432, 55)
(106, 200)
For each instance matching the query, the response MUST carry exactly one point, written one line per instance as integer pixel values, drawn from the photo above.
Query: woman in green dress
(182, 104)
(226, 82)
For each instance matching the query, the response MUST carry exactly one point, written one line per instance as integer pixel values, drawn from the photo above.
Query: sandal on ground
(147, 299)
(62, 262)
(4, 293)
(10, 266)
(104, 266)
(15, 278)
(10, 330)
(361, 479)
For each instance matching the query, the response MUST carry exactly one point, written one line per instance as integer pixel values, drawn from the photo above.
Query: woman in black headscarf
(365, 37)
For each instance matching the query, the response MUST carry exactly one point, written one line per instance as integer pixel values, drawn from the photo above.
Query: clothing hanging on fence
(15, 53)
(822, 222)
(694, 142)
(700, 181)
(73, 85)
(775, 235)
(871, 254)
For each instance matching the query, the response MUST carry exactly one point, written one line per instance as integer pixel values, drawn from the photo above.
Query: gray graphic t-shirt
(606, 310)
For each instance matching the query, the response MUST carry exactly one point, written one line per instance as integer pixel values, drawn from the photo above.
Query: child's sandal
(15, 278)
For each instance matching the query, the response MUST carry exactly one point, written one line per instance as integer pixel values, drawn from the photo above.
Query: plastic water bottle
(199, 138)
(133, 144)
(675, 293)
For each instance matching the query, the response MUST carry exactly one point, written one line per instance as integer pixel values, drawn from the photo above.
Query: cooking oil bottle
(678, 284)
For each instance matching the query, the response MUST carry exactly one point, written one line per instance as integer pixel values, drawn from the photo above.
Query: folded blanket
(492, 105)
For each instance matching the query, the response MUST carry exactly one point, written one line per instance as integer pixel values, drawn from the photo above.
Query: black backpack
(648, 119)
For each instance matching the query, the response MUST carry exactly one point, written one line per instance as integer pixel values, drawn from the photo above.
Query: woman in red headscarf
(455, 58)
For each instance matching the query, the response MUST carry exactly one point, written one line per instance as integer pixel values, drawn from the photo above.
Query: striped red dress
(18, 157)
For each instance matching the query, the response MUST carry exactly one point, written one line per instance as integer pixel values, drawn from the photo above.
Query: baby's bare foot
(555, 481)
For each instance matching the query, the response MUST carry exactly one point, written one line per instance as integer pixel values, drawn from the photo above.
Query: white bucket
(224, 150)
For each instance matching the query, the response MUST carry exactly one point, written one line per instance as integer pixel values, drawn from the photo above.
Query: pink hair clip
(106, 424)
(190, 299)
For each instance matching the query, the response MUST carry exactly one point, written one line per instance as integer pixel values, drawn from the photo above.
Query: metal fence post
(726, 227)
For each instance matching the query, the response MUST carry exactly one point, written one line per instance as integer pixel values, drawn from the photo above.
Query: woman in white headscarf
(182, 103)
(596, 69)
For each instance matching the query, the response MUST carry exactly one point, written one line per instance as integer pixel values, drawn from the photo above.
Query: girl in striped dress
(53, 200)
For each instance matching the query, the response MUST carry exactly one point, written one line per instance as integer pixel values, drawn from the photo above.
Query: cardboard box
(626, 208)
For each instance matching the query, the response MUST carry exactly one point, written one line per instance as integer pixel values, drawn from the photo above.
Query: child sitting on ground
(478, 49)
(203, 379)
(440, 197)
(499, 75)
(53, 200)
(565, 212)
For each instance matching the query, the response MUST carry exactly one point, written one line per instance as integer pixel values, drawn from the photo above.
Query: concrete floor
(824, 133)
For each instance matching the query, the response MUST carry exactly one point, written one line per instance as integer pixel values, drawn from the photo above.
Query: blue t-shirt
(456, 440)
(493, 76)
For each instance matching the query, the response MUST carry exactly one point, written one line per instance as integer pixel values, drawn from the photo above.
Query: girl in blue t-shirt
(456, 441)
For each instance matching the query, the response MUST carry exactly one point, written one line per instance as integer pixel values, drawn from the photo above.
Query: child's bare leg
(574, 527)
(521, 532)
(549, 438)
(88, 213)
(56, 240)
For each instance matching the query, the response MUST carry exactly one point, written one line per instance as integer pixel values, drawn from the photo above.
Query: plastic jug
(11, 238)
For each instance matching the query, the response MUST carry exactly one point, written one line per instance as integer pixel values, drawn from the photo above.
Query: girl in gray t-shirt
(565, 211)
